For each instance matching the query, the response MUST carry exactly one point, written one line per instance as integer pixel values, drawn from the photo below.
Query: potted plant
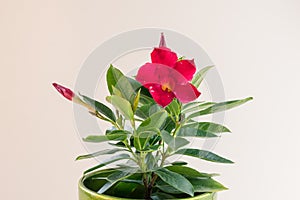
(154, 115)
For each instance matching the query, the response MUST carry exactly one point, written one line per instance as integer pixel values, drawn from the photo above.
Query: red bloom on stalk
(66, 92)
(167, 77)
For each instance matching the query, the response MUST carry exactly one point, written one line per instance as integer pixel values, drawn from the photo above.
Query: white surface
(254, 44)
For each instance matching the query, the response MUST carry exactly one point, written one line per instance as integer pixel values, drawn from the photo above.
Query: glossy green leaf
(145, 99)
(188, 172)
(148, 129)
(169, 125)
(176, 180)
(207, 185)
(212, 127)
(109, 161)
(151, 161)
(147, 110)
(97, 138)
(115, 78)
(99, 107)
(199, 76)
(165, 187)
(197, 106)
(114, 178)
(145, 96)
(115, 135)
(117, 92)
(191, 104)
(134, 83)
(187, 131)
(155, 121)
(173, 143)
(123, 106)
(112, 76)
(220, 107)
(204, 155)
(99, 153)
(142, 139)
(174, 107)
(202, 129)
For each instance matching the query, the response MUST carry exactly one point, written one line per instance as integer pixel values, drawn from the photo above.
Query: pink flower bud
(162, 42)
(66, 92)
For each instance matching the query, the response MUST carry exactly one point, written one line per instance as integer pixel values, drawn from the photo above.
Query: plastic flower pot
(89, 184)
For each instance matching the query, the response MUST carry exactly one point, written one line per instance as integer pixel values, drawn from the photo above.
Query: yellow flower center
(166, 87)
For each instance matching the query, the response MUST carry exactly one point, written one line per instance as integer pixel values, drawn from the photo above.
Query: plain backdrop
(254, 44)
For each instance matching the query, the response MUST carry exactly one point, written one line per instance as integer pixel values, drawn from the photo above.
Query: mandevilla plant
(160, 106)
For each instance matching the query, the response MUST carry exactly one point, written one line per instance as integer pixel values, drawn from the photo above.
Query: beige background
(254, 44)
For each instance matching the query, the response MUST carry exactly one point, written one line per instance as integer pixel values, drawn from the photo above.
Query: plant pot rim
(87, 191)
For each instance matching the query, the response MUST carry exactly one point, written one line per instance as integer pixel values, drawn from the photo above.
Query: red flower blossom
(66, 92)
(167, 77)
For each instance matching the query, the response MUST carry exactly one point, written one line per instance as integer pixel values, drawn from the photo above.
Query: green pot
(87, 194)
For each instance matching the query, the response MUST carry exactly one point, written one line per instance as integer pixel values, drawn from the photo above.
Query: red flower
(66, 92)
(167, 77)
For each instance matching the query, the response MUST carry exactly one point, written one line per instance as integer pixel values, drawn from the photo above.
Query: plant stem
(146, 185)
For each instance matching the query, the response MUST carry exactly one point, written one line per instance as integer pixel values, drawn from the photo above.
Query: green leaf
(174, 107)
(153, 122)
(109, 161)
(123, 106)
(169, 125)
(212, 127)
(197, 106)
(149, 128)
(99, 153)
(179, 163)
(202, 129)
(115, 135)
(150, 161)
(187, 131)
(112, 77)
(101, 108)
(199, 76)
(207, 185)
(188, 172)
(204, 155)
(191, 104)
(162, 186)
(176, 180)
(117, 92)
(145, 97)
(134, 84)
(147, 110)
(173, 143)
(142, 141)
(114, 178)
(115, 78)
(136, 101)
(220, 107)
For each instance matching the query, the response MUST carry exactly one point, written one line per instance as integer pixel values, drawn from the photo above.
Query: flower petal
(186, 67)
(153, 73)
(161, 97)
(163, 56)
(147, 74)
(186, 93)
